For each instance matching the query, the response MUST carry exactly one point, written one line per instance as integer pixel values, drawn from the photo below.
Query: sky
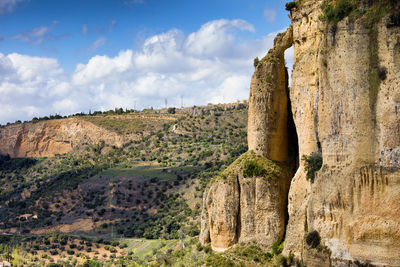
(69, 56)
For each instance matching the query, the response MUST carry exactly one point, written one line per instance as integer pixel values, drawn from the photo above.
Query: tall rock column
(246, 204)
(268, 102)
(307, 36)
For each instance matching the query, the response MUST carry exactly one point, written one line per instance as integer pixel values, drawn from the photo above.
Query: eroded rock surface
(251, 208)
(246, 207)
(47, 138)
(268, 102)
(345, 94)
(344, 97)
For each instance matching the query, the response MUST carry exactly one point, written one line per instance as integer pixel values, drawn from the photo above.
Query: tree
(256, 61)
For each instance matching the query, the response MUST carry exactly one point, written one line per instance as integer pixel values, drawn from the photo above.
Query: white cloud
(29, 85)
(269, 14)
(8, 5)
(209, 65)
(215, 37)
(99, 42)
(34, 69)
(99, 67)
(37, 35)
(231, 90)
(65, 105)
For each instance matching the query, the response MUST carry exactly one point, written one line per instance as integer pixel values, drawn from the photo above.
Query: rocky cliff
(47, 138)
(344, 99)
(248, 204)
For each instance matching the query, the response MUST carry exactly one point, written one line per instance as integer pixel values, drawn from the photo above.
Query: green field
(143, 247)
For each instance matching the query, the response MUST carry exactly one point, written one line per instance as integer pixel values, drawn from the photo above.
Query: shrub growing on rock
(313, 239)
(313, 163)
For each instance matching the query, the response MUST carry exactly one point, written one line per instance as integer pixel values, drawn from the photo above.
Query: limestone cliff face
(268, 102)
(248, 205)
(47, 138)
(344, 98)
(345, 94)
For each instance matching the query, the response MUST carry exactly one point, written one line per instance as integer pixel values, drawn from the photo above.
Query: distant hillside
(46, 137)
(148, 183)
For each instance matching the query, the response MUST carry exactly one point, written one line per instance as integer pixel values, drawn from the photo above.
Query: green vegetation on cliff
(312, 164)
(250, 165)
(372, 11)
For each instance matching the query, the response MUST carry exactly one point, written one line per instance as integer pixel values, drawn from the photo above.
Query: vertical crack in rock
(239, 224)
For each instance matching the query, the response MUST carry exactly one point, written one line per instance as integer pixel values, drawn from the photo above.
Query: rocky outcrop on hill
(246, 204)
(47, 138)
(345, 100)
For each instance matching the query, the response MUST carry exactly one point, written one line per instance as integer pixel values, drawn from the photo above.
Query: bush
(313, 239)
(313, 163)
(256, 61)
(291, 5)
(336, 13)
(199, 247)
(207, 249)
(92, 263)
(123, 245)
(252, 168)
(194, 231)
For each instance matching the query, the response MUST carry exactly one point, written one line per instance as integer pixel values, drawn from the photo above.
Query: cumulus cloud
(26, 85)
(8, 5)
(215, 37)
(99, 67)
(209, 65)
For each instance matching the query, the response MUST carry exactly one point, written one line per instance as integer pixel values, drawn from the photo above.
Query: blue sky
(65, 56)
